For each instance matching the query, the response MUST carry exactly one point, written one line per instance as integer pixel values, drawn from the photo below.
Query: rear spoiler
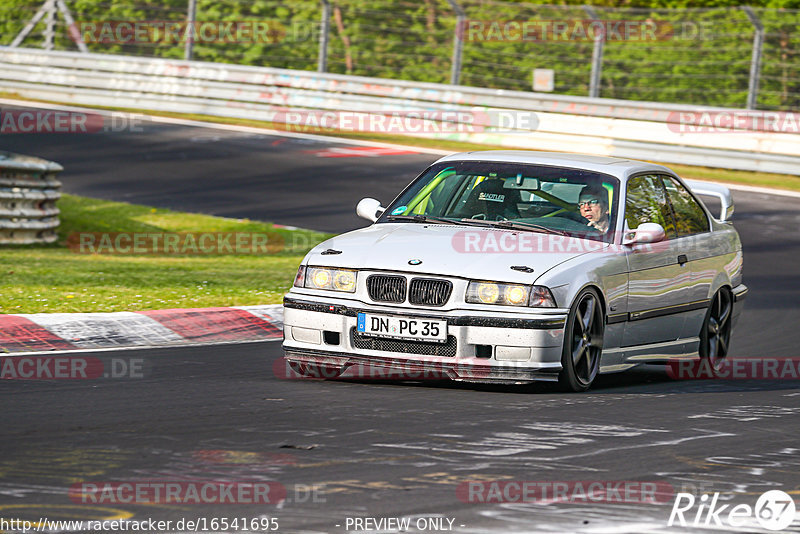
(714, 190)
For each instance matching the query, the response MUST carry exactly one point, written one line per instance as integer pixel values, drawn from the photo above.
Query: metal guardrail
(642, 130)
(28, 195)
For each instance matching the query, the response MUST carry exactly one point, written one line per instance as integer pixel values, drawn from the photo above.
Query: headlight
(509, 294)
(332, 279)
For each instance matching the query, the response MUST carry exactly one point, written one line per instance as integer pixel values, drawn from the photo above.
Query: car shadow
(643, 380)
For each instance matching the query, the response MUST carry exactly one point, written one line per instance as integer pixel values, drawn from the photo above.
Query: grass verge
(759, 179)
(54, 278)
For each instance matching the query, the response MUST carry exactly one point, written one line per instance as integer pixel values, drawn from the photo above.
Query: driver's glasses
(592, 202)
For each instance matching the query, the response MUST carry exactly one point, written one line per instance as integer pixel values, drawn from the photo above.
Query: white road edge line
(325, 138)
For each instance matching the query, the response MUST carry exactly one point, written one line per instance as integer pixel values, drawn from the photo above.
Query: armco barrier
(28, 195)
(642, 130)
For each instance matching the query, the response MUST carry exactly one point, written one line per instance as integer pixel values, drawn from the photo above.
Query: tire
(583, 342)
(715, 334)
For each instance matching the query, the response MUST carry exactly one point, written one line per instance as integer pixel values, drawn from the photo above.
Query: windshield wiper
(433, 218)
(518, 225)
(421, 218)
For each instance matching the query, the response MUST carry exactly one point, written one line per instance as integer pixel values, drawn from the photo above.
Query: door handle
(682, 259)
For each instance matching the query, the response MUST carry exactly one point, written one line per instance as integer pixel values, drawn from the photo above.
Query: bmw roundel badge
(414, 262)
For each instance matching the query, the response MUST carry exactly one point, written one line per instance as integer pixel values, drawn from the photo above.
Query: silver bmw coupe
(514, 266)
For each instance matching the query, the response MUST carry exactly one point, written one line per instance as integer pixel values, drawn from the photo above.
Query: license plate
(402, 327)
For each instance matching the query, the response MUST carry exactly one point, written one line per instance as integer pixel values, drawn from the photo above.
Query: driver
(593, 206)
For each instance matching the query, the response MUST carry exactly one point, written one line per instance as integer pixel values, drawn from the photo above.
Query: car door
(659, 273)
(696, 244)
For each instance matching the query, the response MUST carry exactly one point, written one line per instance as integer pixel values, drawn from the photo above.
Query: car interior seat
(492, 200)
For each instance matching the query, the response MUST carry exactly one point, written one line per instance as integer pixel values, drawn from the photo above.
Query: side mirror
(369, 209)
(646, 233)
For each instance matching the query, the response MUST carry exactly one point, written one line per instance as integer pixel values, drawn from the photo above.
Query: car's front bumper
(484, 347)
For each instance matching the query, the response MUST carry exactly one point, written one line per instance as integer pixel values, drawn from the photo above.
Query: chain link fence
(731, 56)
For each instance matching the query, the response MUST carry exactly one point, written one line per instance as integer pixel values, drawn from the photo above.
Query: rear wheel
(715, 335)
(583, 342)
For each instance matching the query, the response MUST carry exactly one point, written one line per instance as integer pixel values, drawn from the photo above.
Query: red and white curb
(46, 332)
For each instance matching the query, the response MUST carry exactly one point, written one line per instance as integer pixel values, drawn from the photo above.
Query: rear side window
(689, 215)
(647, 202)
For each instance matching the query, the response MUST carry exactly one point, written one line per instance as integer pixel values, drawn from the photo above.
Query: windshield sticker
(491, 197)
(399, 210)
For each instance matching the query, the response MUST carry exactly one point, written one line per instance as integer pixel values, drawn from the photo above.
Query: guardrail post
(324, 32)
(49, 8)
(50, 28)
(597, 56)
(28, 212)
(190, 16)
(73, 30)
(458, 42)
(755, 60)
(40, 13)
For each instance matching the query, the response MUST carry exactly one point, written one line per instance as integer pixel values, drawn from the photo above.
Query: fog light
(483, 351)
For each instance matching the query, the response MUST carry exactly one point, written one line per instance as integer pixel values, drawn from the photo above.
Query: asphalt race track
(356, 449)
(294, 181)
(386, 449)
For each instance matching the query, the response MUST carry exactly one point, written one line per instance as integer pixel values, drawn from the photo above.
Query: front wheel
(716, 332)
(583, 342)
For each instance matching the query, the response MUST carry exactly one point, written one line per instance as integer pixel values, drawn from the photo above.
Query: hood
(450, 250)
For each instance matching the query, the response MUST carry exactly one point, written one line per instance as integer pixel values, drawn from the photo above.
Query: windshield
(573, 201)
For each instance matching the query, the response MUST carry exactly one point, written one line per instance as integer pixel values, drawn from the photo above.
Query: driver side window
(646, 201)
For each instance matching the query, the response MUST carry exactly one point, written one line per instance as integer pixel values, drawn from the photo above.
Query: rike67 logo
(774, 510)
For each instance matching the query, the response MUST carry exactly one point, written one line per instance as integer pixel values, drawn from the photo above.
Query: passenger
(593, 206)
